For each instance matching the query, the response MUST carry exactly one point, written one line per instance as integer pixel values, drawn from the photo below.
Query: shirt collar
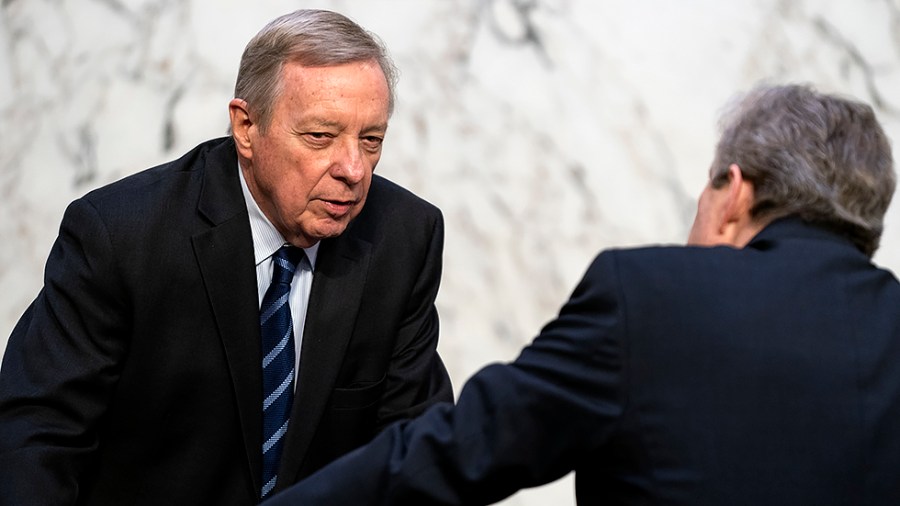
(266, 238)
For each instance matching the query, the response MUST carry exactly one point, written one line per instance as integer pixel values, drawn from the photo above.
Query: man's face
(311, 170)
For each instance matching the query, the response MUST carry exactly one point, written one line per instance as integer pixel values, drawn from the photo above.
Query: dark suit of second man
(758, 366)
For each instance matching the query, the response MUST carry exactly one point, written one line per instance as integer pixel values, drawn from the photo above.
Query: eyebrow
(324, 123)
(382, 127)
(316, 122)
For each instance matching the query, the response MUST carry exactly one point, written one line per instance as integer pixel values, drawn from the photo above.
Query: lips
(338, 208)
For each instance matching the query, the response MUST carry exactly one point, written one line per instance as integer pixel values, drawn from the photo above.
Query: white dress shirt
(266, 241)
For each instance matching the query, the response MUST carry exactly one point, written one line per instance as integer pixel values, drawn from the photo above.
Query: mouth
(338, 208)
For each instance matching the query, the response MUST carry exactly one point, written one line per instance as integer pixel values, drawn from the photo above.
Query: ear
(241, 126)
(736, 224)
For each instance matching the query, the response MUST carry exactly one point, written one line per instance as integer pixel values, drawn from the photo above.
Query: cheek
(293, 180)
(699, 234)
(291, 202)
(694, 234)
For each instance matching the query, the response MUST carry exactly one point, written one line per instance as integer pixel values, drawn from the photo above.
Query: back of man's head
(820, 157)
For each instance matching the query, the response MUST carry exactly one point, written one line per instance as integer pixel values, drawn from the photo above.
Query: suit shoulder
(671, 254)
(392, 212)
(643, 254)
(385, 193)
(190, 163)
(163, 196)
(674, 263)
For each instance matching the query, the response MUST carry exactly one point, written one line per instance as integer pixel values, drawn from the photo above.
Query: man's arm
(416, 377)
(60, 366)
(515, 426)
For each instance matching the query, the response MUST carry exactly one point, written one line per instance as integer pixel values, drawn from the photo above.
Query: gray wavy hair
(820, 157)
(310, 37)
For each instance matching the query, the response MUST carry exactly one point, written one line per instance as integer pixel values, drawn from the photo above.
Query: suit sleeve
(416, 377)
(61, 364)
(517, 425)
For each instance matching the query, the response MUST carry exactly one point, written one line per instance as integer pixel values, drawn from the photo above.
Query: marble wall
(545, 130)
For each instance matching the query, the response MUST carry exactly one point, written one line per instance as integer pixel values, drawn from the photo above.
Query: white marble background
(544, 129)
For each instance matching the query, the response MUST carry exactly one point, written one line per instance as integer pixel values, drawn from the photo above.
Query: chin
(328, 232)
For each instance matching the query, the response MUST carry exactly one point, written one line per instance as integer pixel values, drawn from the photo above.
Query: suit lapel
(224, 254)
(340, 275)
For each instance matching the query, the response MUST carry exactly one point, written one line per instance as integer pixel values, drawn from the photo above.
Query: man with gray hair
(759, 365)
(215, 328)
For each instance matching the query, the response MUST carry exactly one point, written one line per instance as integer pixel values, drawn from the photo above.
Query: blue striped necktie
(277, 331)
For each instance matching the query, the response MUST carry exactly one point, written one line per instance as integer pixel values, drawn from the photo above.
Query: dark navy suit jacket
(135, 376)
(768, 375)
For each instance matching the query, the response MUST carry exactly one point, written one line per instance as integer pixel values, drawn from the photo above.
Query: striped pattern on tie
(277, 330)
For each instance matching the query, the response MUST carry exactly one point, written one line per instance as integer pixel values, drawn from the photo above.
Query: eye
(372, 143)
(318, 139)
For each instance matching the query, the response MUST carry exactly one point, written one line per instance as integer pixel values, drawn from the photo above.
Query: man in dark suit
(141, 372)
(758, 366)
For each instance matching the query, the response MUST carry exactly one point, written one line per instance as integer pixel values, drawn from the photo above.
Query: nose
(350, 164)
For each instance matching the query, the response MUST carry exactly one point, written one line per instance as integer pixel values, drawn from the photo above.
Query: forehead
(362, 83)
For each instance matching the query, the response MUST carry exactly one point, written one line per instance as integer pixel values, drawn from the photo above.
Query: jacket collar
(792, 227)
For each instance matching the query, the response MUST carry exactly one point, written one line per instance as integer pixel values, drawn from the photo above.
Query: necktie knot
(286, 260)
